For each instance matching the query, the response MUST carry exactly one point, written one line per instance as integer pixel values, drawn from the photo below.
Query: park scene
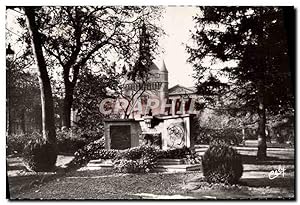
(150, 103)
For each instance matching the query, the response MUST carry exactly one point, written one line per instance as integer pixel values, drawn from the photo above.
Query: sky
(177, 22)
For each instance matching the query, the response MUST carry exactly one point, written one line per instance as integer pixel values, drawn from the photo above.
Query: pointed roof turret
(158, 65)
(163, 67)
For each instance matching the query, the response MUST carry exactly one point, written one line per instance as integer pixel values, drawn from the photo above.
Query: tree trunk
(44, 81)
(67, 107)
(23, 122)
(244, 136)
(262, 144)
(9, 97)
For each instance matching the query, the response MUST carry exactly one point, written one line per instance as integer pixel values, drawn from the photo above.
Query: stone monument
(166, 132)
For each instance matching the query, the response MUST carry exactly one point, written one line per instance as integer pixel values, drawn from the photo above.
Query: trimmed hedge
(222, 164)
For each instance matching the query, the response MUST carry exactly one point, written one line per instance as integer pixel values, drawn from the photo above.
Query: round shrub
(40, 156)
(222, 164)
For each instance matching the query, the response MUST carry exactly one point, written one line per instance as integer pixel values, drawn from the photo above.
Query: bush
(229, 135)
(87, 153)
(177, 153)
(39, 155)
(222, 164)
(94, 150)
(69, 141)
(15, 143)
(104, 154)
(140, 159)
(190, 156)
(126, 166)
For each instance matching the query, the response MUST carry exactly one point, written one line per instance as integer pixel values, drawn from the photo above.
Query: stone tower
(163, 72)
(156, 87)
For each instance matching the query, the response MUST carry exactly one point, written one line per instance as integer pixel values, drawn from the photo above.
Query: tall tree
(255, 39)
(48, 125)
(84, 35)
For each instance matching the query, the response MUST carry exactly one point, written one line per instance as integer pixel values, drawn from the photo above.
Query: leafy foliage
(39, 155)
(222, 164)
(85, 154)
(177, 153)
(71, 140)
(245, 35)
(82, 38)
(87, 37)
(22, 94)
(185, 153)
(68, 141)
(250, 76)
(105, 154)
(140, 159)
(231, 136)
(219, 124)
(137, 159)
(91, 89)
(91, 151)
(15, 143)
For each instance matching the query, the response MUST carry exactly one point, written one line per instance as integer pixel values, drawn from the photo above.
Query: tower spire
(163, 67)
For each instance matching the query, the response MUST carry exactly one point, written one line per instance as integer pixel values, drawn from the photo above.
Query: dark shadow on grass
(249, 159)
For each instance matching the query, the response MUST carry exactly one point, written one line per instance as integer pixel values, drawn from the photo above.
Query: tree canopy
(94, 37)
(255, 41)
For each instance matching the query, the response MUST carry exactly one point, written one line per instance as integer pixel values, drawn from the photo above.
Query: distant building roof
(178, 89)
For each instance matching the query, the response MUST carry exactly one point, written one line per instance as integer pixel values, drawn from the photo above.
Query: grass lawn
(104, 185)
(20, 179)
(100, 184)
(273, 144)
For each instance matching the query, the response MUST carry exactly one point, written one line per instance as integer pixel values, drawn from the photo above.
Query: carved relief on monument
(176, 135)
